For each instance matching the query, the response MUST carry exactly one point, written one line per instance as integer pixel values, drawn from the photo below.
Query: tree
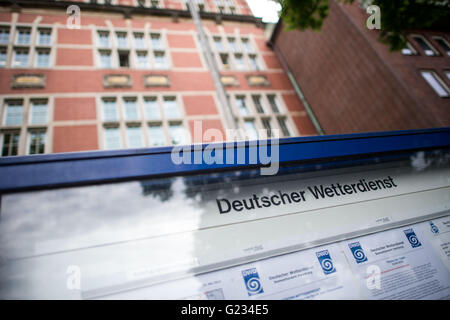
(397, 16)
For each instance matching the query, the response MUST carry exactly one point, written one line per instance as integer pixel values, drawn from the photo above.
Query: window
(10, 144)
(232, 44)
(45, 37)
(151, 109)
(246, 45)
(134, 137)
(105, 59)
(177, 134)
(37, 142)
(218, 43)
(156, 41)
(409, 50)
(124, 59)
(142, 60)
(131, 109)
(21, 58)
(224, 58)
(2, 57)
(122, 41)
(242, 107)
(160, 60)
(447, 73)
(426, 47)
(239, 61)
(267, 126)
(273, 103)
(156, 135)
(171, 108)
(254, 62)
(257, 102)
(103, 39)
(14, 110)
(112, 138)
(436, 83)
(443, 43)
(250, 130)
(4, 35)
(43, 58)
(38, 112)
(283, 126)
(23, 36)
(139, 40)
(109, 110)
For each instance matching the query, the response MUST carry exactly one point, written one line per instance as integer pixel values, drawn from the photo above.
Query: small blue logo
(434, 229)
(412, 238)
(325, 262)
(252, 281)
(357, 252)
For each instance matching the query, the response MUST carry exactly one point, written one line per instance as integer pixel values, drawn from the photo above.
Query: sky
(265, 8)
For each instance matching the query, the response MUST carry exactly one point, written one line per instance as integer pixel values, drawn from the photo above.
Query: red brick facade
(353, 83)
(74, 82)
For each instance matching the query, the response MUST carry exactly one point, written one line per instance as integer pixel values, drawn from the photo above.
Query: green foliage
(397, 16)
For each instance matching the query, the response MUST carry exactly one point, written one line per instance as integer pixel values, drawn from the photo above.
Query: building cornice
(129, 11)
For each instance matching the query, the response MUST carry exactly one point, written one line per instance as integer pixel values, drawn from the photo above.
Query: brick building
(353, 83)
(134, 74)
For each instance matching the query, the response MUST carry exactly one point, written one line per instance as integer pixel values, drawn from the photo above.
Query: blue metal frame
(82, 168)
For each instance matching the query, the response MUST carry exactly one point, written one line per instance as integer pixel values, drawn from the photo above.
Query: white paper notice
(398, 264)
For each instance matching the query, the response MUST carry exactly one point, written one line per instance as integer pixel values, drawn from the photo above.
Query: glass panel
(156, 135)
(10, 144)
(434, 83)
(171, 108)
(177, 134)
(152, 109)
(142, 60)
(37, 142)
(44, 37)
(109, 110)
(14, 114)
(257, 103)
(239, 61)
(139, 40)
(160, 60)
(273, 103)
(444, 45)
(135, 137)
(122, 41)
(267, 125)
(21, 58)
(254, 62)
(250, 130)
(23, 36)
(131, 110)
(112, 138)
(207, 236)
(38, 112)
(283, 127)
(218, 43)
(424, 45)
(103, 39)
(2, 57)
(246, 45)
(156, 41)
(43, 58)
(242, 107)
(4, 36)
(232, 43)
(105, 59)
